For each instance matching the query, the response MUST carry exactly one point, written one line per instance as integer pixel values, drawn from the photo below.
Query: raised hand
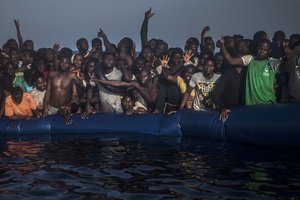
(56, 47)
(187, 56)
(17, 23)
(165, 61)
(205, 29)
(222, 41)
(149, 14)
(101, 34)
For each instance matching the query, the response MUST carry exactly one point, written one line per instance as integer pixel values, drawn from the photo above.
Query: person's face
(230, 42)
(194, 48)
(109, 61)
(123, 44)
(140, 64)
(41, 84)
(10, 69)
(13, 44)
(188, 75)
(17, 99)
(120, 64)
(208, 68)
(28, 45)
(210, 46)
(41, 67)
(152, 43)
(78, 60)
(27, 59)
(49, 55)
(4, 61)
(64, 64)
(143, 77)
(263, 51)
(219, 61)
(97, 45)
(160, 49)
(243, 48)
(177, 58)
(5, 49)
(83, 46)
(14, 55)
(127, 103)
(148, 54)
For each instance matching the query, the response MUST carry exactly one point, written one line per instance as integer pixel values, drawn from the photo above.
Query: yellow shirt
(182, 86)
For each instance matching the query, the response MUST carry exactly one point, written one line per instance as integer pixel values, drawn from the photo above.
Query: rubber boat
(268, 125)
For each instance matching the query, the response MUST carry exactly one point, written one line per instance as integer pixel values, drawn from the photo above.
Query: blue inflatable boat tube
(268, 125)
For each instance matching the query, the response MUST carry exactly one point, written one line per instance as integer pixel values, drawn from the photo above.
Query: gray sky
(64, 21)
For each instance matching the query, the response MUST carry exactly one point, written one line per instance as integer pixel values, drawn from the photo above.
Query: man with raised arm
(260, 77)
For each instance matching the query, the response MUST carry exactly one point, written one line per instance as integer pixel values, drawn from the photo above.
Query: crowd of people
(161, 79)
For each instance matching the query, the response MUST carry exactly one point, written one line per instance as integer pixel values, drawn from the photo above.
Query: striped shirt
(23, 109)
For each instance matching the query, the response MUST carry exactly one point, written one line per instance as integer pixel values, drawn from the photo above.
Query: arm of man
(228, 57)
(108, 45)
(144, 28)
(47, 95)
(204, 30)
(114, 83)
(185, 97)
(19, 35)
(89, 96)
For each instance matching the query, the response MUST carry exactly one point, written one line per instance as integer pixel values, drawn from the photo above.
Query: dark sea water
(145, 168)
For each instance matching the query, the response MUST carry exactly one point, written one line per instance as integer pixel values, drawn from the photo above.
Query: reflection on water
(118, 168)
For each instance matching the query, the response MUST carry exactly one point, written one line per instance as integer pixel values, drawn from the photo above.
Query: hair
(27, 41)
(16, 91)
(96, 40)
(13, 49)
(267, 41)
(30, 53)
(192, 40)
(109, 53)
(65, 52)
(186, 68)
(294, 40)
(37, 75)
(278, 36)
(147, 47)
(210, 58)
(130, 95)
(10, 41)
(176, 50)
(80, 40)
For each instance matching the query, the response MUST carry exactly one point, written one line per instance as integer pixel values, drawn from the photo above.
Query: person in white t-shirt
(203, 83)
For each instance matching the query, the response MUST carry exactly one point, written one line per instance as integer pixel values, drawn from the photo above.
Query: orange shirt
(23, 109)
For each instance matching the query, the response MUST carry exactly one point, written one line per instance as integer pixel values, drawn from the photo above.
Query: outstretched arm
(114, 83)
(228, 57)
(144, 28)
(20, 38)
